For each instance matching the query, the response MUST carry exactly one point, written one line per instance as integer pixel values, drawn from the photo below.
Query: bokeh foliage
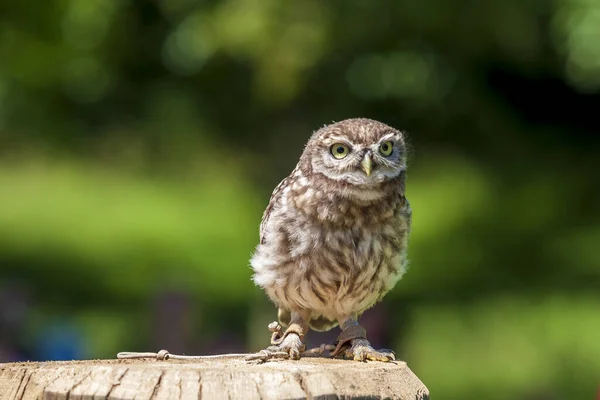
(139, 143)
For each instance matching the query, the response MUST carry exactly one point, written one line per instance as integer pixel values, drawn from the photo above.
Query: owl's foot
(290, 348)
(352, 343)
(361, 350)
(292, 345)
(287, 345)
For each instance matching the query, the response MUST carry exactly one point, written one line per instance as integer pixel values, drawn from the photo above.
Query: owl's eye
(386, 148)
(339, 150)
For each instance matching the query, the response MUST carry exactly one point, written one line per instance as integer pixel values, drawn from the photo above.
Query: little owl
(333, 238)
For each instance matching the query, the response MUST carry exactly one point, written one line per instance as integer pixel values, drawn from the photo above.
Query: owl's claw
(361, 350)
(290, 347)
(291, 344)
(265, 355)
(286, 345)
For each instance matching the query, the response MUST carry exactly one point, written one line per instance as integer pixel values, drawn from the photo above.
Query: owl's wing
(274, 202)
(406, 212)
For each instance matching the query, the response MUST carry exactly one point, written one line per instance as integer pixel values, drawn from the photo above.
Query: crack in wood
(179, 387)
(199, 385)
(157, 384)
(117, 383)
(68, 394)
(19, 387)
(300, 379)
(25, 385)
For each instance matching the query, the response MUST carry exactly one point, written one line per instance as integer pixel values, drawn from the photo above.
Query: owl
(333, 238)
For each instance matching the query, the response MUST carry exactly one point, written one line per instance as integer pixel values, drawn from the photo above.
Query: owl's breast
(346, 271)
(337, 271)
(336, 262)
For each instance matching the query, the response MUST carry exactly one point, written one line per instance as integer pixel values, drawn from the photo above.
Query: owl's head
(357, 151)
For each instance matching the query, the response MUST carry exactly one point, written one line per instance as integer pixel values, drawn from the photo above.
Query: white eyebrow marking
(336, 139)
(387, 137)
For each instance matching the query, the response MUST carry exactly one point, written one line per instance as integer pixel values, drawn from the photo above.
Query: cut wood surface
(209, 379)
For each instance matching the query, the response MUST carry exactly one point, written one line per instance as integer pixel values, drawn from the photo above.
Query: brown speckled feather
(273, 202)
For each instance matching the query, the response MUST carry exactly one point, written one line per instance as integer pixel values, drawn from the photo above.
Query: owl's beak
(366, 164)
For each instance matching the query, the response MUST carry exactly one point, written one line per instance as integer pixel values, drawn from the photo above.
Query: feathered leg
(352, 343)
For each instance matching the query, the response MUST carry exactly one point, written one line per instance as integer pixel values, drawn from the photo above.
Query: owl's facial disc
(360, 164)
(360, 152)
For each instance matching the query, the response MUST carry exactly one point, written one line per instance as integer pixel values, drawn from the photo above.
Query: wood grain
(209, 379)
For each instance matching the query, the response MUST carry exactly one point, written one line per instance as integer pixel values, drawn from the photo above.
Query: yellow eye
(386, 148)
(339, 150)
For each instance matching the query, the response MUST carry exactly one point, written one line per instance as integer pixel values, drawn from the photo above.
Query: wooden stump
(209, 379)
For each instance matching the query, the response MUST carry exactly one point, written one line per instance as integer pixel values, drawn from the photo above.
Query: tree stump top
(218, 378)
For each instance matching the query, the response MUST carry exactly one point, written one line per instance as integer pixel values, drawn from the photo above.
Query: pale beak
(366, 165)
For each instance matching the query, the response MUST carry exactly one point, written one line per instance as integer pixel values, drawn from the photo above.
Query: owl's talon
(294, 354)
(290, 347)
(361, 350)
(266, 355)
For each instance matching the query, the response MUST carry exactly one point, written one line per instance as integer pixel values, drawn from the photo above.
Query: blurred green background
(140, 142)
